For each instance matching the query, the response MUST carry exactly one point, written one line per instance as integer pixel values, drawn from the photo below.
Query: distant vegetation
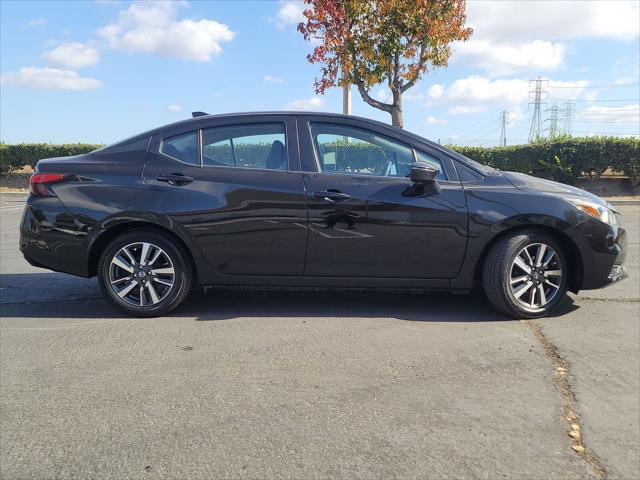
(562, 159)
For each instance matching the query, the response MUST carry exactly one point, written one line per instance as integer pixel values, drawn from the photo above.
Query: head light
(602, 213)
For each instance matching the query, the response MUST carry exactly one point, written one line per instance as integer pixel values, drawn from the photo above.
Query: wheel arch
(108, 235)
(569, 247)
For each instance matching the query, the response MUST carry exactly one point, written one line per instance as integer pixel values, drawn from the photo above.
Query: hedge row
(563, 159)
(13, 157)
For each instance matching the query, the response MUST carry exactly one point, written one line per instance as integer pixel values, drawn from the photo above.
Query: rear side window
(182, 147)
(246, 146)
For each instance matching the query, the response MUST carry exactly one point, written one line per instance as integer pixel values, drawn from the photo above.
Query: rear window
(183, 147)
(246, 146)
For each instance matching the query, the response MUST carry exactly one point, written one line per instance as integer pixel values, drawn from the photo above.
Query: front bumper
(603, 249)
(618, 272)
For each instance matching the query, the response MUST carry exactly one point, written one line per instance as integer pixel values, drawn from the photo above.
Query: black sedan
(311, 200)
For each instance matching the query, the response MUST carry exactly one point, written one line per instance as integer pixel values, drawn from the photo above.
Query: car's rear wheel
(144, 274)
(525, 275)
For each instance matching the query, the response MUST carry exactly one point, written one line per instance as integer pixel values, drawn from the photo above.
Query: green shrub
(13, 157)
(563, 159)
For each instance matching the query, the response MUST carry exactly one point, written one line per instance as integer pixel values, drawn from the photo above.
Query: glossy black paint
(300, 227)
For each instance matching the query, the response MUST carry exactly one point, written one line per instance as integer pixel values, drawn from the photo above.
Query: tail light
(39, 183)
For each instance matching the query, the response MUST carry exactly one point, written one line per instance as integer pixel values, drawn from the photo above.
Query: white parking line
(4, 209)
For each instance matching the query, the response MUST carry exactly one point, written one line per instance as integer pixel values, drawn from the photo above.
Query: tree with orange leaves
(382, 41)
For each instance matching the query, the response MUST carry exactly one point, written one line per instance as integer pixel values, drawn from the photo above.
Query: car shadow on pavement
(60, 296)
(421, 307)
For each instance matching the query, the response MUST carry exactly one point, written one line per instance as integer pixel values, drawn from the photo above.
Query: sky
(99, 71)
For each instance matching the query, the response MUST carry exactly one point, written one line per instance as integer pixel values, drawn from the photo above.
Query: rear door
(366, 217)
(235, 186)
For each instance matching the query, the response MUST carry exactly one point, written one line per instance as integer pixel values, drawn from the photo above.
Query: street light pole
(346, 99)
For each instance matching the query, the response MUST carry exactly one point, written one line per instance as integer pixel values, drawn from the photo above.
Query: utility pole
(537, 93)
(346, 99)
(503, 128)
(567, 115)
(553, 120)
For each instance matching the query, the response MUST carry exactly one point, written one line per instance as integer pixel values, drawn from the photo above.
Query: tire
(144, 289)
(520, 293)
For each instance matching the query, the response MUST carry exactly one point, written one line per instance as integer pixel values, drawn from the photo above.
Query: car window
(344, 149)
(433, 162)
(182, 147)
(246, 146)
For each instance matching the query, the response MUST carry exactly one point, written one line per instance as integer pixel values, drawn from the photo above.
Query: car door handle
(175, 179)
(331, 195)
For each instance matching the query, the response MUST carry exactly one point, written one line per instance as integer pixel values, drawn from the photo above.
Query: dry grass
(17, 181)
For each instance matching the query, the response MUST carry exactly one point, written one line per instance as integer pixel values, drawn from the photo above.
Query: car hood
(538, 185)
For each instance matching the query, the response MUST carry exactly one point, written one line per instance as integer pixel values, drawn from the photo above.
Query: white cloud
(153, 28)
(626, 114)
(431, 120)
(478, 94)
(50, 79)
(37, 22)
(505, 59)
(312, 103)
(174, 107)
(518, 20)
(513, 36)
(73, 55)
(290, 13)
(272, 79)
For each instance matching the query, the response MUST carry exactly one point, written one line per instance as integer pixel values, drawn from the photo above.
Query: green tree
(382, 41)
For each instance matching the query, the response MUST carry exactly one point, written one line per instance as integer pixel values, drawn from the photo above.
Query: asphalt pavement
(314, 385)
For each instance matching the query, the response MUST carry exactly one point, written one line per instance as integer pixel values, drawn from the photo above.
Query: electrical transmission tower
(567, 114)
(537, 93)
(503, 128)
(553, 120)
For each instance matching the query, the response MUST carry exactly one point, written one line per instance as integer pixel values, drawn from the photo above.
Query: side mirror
(421, 173)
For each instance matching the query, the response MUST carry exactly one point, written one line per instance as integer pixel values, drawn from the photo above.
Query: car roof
(203, 118)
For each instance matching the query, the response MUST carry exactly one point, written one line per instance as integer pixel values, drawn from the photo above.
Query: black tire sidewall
(181, 285)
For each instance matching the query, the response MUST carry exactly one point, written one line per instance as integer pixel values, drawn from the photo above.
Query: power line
(591, 133)
(599, 100)
(503, 128)
(553, 120)
(568, 113)
(611, 85)
(536, 121)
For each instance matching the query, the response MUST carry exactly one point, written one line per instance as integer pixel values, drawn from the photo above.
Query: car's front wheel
(525, 275)
(144, 274)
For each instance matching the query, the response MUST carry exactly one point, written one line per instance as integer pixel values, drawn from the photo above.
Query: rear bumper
(50, 237)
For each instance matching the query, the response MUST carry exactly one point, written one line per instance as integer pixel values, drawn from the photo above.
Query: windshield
(482, 168)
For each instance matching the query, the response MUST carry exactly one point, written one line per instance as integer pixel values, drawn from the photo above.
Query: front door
(366, 217)
(237, 190)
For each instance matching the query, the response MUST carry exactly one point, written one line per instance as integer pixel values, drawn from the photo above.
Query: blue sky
(98, 71)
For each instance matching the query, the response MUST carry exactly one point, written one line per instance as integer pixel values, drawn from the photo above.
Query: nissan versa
(316, 200)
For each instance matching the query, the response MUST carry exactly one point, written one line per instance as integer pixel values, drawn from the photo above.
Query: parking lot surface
(314, 385)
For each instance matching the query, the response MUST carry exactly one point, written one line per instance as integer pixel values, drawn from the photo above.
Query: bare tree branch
(374, 103)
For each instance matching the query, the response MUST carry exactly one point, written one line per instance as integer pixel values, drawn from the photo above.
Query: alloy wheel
(535, 276)
(141, 274)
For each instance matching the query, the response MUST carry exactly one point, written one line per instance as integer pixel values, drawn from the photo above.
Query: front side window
(344, 149)
(246, 146)
(432, 162)
(182, 147)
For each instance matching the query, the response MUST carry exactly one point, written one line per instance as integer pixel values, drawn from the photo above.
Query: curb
(623, 203)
